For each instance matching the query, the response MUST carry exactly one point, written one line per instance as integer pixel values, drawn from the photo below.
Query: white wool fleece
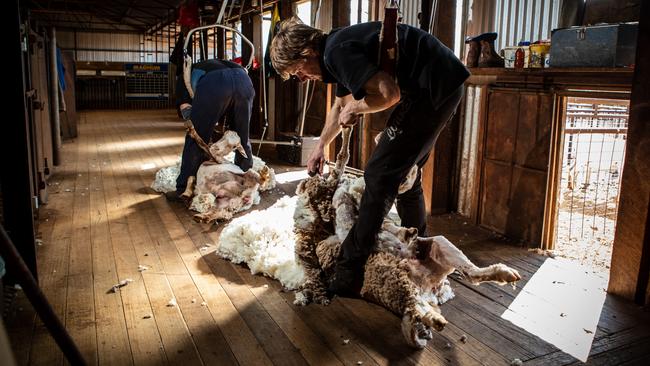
(265, 241)
(165, 180)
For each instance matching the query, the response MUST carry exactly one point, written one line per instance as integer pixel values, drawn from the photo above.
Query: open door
(592, 137)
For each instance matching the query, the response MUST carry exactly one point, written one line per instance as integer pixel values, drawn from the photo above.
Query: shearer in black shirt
(427, 92)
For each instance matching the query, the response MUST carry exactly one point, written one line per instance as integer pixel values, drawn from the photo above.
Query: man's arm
(330, 131)
(382, 92)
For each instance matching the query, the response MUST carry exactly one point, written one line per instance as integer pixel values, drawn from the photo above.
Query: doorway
(594, 136)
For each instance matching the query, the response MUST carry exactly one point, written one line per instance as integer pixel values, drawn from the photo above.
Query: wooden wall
(515, 163)
(41, 114)
(439, 173)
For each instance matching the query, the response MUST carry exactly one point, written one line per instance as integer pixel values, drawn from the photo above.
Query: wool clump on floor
(165, 180)
(265, 241)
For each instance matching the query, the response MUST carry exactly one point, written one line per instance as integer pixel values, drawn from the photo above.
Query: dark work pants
(411, 132)
(220, 92)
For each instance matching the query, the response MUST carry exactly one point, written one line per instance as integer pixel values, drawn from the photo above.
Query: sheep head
(229, 142)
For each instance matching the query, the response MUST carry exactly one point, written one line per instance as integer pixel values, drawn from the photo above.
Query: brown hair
(292, 42)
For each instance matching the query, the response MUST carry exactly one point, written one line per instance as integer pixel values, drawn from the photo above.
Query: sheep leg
(344, 154)
(448, 257)
(432, 317)
(415, 333)
(199, 141)
(265, 175)
(189, 189)
(241, 150)
(405, 234)
(346, 215)
(419, 318)
(498, 273)
(213, 215)
(314, 288)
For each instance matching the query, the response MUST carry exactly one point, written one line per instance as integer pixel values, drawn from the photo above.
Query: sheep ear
(241, 150)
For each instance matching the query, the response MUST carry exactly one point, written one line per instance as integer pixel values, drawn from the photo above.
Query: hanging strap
(388, 53)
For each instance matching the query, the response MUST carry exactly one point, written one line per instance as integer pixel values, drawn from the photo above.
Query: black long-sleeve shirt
(350, 59)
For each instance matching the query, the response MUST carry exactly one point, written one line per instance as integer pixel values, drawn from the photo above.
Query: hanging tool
(187, 58)
(187, 74)
(264, 107)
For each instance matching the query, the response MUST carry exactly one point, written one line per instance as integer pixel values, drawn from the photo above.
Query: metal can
(547, 60)
(519, 58)
(537, 55)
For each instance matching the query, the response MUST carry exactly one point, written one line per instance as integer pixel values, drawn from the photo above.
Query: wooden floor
(102, 221)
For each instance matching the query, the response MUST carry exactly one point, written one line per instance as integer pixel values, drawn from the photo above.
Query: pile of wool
(165, 180)
(265, 241)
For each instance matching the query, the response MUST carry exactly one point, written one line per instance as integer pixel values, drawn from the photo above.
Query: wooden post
(439, 171)
(630, 267)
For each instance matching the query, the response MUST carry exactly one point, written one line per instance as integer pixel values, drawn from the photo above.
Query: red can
(519, 58)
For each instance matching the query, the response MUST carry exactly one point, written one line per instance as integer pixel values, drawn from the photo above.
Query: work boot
(489, 57)
(481, 51)
(347, 280)
(474, 50)
(173, 196)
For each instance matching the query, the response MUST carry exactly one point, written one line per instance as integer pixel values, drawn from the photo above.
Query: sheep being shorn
(220, 188)
(406, 274)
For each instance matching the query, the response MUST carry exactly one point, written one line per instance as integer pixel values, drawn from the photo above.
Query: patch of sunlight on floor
(137, 144)
(287, 177)
(561, 304)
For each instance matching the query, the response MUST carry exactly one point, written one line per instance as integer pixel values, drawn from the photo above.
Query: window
(233, 43)
(303, 11)
(358, 11)
(266, 28)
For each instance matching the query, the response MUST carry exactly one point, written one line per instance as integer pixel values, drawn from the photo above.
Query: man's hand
(316, 162)
(186, 111)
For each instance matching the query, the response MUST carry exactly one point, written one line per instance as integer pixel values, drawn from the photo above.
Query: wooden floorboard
(113, 343)
(191, 256)
(144, 337)
(53, 255)
(177, 341)
(103, 221)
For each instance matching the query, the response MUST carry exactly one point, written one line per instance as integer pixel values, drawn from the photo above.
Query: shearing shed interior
(326, 182)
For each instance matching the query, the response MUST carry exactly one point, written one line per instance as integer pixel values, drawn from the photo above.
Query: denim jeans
(226, 92)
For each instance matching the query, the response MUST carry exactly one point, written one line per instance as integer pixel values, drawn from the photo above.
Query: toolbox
(607, 45)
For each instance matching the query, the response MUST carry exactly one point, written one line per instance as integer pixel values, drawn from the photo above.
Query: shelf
(563, 78)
